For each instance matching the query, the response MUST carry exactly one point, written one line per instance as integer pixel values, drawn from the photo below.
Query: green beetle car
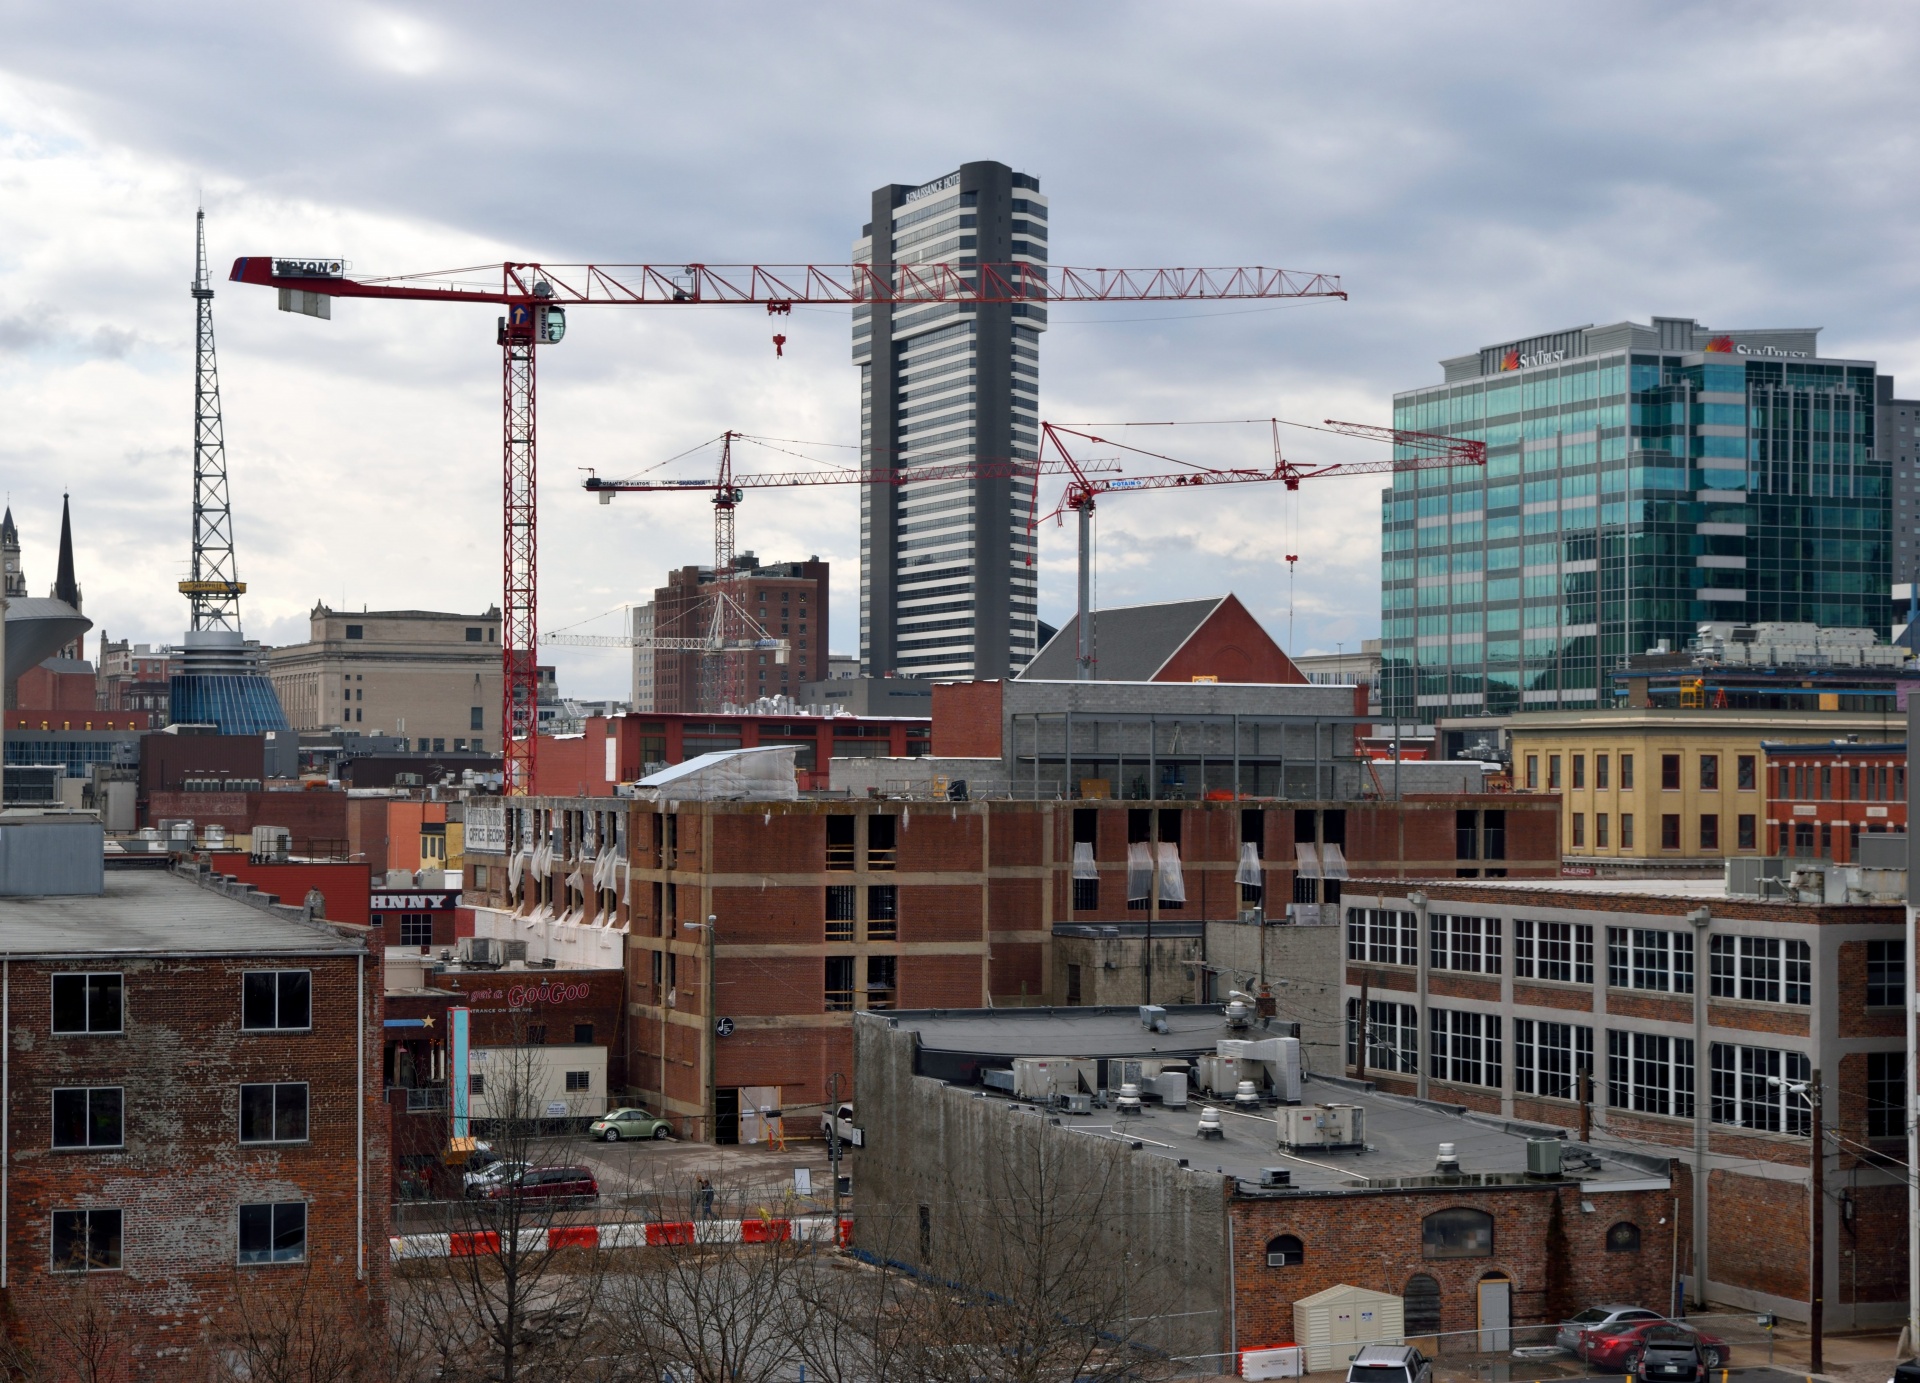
(632, 1122)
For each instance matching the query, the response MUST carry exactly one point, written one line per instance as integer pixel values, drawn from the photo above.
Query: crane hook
(779, 345)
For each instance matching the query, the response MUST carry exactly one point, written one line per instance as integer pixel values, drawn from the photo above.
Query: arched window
(1285, 1251)
(1457, 1233)
(1623, 1237)
(1422, 1305)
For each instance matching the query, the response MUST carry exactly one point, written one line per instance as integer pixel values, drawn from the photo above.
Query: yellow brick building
(1660, 789)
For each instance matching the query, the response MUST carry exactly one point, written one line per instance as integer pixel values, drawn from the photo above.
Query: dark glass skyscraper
(946, 585)
(1640, 480)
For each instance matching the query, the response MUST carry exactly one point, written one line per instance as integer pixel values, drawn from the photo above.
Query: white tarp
(1139, 871)
(1249, 870)
(1173, 888)
(764, 774)
(1083, 865)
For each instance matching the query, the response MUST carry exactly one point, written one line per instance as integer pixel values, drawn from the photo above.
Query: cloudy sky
(1473, 172)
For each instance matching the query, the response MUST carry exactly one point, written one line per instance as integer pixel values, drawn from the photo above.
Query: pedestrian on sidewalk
(706, 1198)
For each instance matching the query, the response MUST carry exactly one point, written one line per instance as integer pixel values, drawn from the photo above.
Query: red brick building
(1211, 640)
(787, 599)
(194, 1103)
(1683, 1001)
(1821, 798)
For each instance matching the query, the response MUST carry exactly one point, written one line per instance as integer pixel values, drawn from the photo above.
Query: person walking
(706, 1198)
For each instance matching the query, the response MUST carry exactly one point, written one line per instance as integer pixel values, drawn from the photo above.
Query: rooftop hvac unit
(1279, 1058)
(1043, 1077)
(997, 1080)
(1275, 1176)
(1076, 1102)
(1170, 1085)
(1543, 1157)
(1323, 1126)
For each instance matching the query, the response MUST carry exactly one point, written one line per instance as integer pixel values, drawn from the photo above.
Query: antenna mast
(213, 590)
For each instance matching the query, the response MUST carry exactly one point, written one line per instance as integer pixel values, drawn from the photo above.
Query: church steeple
(64, 586)
(15, 581)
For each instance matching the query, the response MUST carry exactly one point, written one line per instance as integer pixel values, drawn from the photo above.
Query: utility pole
(1817, 1302)
(1360, 1064)
(1586, 1107)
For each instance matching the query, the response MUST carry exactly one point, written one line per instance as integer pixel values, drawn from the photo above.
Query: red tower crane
(1414, 451)
(536, 297)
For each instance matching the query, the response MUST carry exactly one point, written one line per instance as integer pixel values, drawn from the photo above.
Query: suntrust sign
(1515, 360)
(1726, 345)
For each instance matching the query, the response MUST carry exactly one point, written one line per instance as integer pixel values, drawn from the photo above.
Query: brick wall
(966, 720)
(1856, 1019)
(1553, 1252)
(940, 912)
(1753, 1217)
(183, 1173)
(941, 840)
(934, 981)
(1018, 968)
(781, 916)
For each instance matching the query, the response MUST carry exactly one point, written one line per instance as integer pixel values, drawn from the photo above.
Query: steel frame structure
(531, 292)
(213, 589)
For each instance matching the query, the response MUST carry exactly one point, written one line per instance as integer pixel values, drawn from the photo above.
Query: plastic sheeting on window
(1083, 865)
(1249, 870)
(1173, 888)
(1139, 871)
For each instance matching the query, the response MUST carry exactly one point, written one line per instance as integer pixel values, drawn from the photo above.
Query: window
(1744, 775)
(1638, 958)
(1458, 1233)
(1086, 895)
(1393, 1036)
(1579, 770)
(473, 635)
(1764, 969)
(88, 1003)
(579, 1082)
(1626, 828)
(840, 842)
(1285, 1251)
(882, 831)
(1579, 830)
(583, 1034)
(1553, 773)
(476, 718)
(1745, 1097)
(1650, 1074)
(1886, 1094)
(1600, 830)
(273, 1113)
(276, 999)
(88, 1118)
(273, 1233)
(416, 929)
(1709, 831)
(840, 912)
(1600, 766)
(1561, 951)
(1745, 834)
(1073, 985)
(1464, 943)
(86, 1241)
(1626, 773)
(1709, 773)
(1549, 1057)
(1465, 1047)
(1670, 831)
(1533, 772)
(883, 973)
(1886, 974)
(1623, 1237)
(1670, 772)
(1422, 1306)
(1383, 936)
(883, 912)
(355, 631)
(476, 1083)
(839, 982)
(536, 1034)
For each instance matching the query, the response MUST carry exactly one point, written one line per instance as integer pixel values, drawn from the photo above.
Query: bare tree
(74, 1335)
(519, 1283)
(305, 1332)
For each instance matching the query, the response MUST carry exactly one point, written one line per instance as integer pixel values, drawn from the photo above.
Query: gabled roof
(1131, 642)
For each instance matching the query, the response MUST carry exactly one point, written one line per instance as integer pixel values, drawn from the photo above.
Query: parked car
(1670, 1354)
(630, 1122)
(840, 1121)
(1389, 1364)
(1908, 1372)
(492, 1173)
(1618, 1349)
(1597, 1318)
(564, 1185)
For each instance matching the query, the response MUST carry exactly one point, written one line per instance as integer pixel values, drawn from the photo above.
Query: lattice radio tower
(214, 588)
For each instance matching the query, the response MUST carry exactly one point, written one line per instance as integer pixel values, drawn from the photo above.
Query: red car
(1618, 1350)
(570, 1185)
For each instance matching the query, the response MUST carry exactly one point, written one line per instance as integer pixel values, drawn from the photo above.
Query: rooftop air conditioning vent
(1275, 1176)
(1448, 1162)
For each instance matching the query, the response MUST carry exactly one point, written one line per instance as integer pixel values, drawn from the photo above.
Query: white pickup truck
(840, 1121)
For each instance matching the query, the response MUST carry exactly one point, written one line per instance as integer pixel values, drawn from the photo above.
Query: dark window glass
(1746, 827)
(87, 1003)
(1457, 1233)
(1086, 895)
(1285, 1251)
(1886, 973)
(1744, 770)
(839, 982)
(1670, 831)
(1626, 772)
(416, 929)
(1709, 772)
(583, 1034)
(88, 1118)
(1670, 771)
(273, 1113)
(839, 902)
(273, 1233)
(1709, 832)
(86, 1241)
(271, 999)
(579, 1082)
(1886, 1094)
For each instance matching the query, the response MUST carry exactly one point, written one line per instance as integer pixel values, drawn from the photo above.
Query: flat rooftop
(144, 911)
(1109, 1031)
(1403, 1138)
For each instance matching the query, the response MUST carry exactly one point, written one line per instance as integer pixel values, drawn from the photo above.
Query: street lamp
(1809, 1090)
(712, 1037)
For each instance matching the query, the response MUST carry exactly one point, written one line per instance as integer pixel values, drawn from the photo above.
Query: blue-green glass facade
(1630, 494)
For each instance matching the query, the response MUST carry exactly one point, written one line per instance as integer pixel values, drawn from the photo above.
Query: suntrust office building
(1640, 479)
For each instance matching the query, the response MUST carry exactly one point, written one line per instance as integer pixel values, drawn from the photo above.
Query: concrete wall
(1304, 967)
(932, 1146)
(1113, 969)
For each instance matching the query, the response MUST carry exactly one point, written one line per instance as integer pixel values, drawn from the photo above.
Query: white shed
(1333, 1324)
